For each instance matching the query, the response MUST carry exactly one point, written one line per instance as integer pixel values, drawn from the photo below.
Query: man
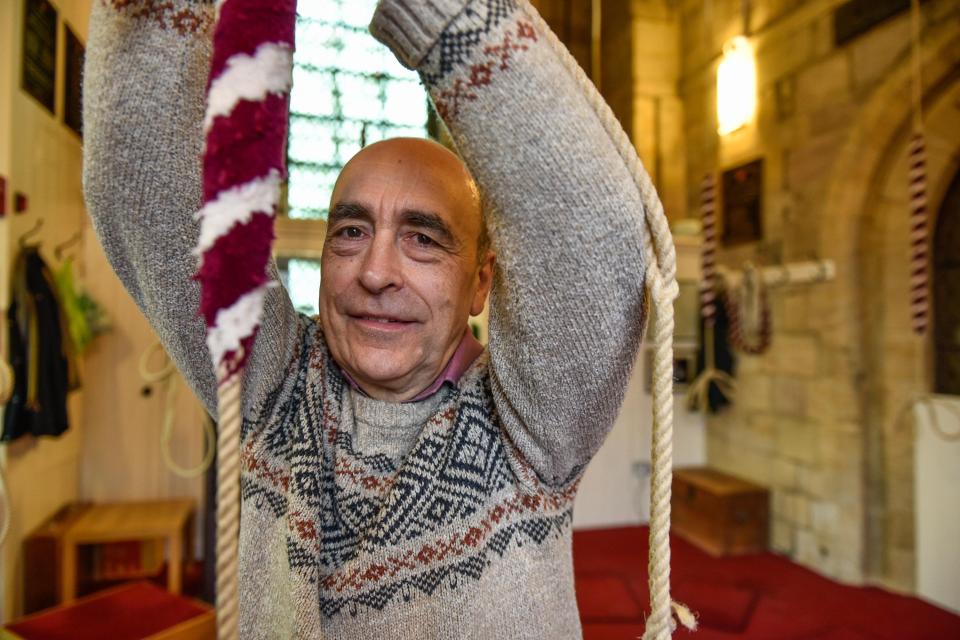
(407, 264)
(396, 484)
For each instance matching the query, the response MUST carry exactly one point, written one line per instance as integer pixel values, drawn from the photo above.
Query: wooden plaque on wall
(742, 191)
(73, 77)
(39, 73)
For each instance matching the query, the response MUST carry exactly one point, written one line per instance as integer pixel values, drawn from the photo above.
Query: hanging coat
(38, 353)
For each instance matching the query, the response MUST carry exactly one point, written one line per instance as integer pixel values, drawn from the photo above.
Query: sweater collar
(467, 351)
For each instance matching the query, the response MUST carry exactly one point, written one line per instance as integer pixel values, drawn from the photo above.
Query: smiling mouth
(381, 321)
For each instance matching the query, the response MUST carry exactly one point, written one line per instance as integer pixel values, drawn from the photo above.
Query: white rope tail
(661, 284)
(228, 503)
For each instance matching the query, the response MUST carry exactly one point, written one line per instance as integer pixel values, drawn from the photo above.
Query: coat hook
(36, 227)
(58, 250)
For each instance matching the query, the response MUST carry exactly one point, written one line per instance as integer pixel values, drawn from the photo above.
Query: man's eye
(351, 232)
(423, 240)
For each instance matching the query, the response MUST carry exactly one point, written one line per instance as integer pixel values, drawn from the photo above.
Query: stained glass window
(301, 279)
(348, 91)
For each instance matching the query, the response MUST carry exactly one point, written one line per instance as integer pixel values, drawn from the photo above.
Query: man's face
(401, 273)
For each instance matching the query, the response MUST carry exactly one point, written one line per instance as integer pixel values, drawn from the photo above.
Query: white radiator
(937, 487)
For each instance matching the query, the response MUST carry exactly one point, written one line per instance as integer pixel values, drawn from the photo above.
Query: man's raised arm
(144, 83)
(564, 214)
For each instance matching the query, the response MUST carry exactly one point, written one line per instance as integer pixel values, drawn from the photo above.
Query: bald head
(429, 165)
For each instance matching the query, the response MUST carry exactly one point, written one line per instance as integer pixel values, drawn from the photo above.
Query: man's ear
(485, 281)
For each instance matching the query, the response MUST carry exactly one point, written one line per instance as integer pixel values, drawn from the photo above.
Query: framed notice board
(39, 77)
(743, 204)
(73, 107)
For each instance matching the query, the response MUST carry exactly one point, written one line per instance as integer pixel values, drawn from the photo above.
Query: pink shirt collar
(467, 351)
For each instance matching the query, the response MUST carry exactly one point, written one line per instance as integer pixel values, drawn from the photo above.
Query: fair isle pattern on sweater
(370, 531)
(191, 17)
(457, 43)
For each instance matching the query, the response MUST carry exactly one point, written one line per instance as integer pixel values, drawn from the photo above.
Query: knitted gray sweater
(444, 518)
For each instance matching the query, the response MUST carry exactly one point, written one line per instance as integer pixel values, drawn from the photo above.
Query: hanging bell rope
(917, 163)
(243, 165)
(661, 284)
(708, 250)
(698, 395)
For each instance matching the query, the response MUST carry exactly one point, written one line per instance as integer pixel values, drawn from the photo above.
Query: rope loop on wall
(166, 378)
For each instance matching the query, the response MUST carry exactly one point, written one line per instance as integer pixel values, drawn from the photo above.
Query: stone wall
(819, 418)
(814, 416)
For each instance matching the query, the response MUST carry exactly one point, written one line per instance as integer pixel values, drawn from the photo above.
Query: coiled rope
(661, 285)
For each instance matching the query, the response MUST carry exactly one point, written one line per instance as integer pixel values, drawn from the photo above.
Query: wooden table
(155, 520)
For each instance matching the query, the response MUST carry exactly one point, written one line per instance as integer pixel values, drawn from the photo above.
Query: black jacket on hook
(37, 352)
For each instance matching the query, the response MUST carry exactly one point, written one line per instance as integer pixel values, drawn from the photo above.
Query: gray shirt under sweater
(444, 518)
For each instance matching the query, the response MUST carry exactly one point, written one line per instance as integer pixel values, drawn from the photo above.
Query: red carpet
(760, 597)
(125, 613)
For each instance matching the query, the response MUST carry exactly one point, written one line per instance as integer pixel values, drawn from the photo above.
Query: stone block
(904, 360)
(718, 450)
(837, 361)
(833, 399)
(797, 440)
(796, 354)
(748, 365)
(901, 569)
(850, 571)
(814, 481)
(874, 53)
(824, 517)
(749, 464)
(760, 432)
(784, 55)
(839, 449)
(790, 396)
(781, 536)
(824, 83)
(796, 311)
(900, 529)
(754, 393)
(807, 550)
(656, 67)
(844, 489)
(792, 507)
(785, 474)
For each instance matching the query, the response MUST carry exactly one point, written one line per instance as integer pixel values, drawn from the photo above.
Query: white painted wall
(615, 489)
(937, 464)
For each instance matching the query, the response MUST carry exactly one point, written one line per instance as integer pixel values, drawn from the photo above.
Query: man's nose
(382, 267)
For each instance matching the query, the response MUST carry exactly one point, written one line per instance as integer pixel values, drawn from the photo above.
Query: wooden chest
(719, 513)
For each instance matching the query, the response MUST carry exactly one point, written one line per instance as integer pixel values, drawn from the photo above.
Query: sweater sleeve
(564, 214)
(144, 83)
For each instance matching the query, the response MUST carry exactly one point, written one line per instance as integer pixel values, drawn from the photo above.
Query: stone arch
(865, 231)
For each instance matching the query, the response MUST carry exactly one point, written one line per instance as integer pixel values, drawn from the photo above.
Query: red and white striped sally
(243, 168)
